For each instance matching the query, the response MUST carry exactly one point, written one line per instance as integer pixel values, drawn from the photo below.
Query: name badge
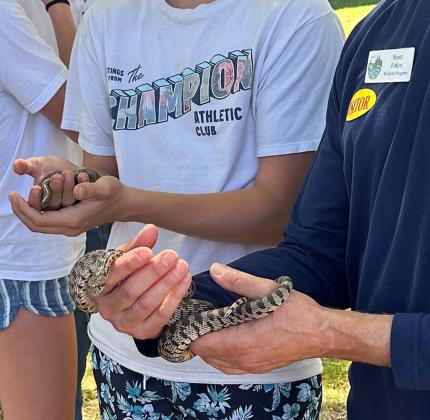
(390, 66)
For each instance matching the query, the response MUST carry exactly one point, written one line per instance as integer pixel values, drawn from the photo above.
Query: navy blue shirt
(359, 236)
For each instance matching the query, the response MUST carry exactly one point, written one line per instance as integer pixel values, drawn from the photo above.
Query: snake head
(88, 275)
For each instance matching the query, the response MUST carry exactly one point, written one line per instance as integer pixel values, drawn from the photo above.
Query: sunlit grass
(352, 15)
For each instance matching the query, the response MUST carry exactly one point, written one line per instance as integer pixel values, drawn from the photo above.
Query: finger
(25, 167)
(241, 283)
(35, 197)
(67, 198)
(125, 266)
(133, 285)
(151, 312)
(56, 186)
(102, 189)
(50, 222)
(146, 237)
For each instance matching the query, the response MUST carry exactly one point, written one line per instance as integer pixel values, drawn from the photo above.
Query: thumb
(103, 189)
(243, 284)
(146, 237)
(26, 167)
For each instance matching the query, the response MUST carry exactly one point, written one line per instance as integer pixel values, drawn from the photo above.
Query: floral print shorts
(127, 395)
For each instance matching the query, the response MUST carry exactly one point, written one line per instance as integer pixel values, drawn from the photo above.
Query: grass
(351, 12)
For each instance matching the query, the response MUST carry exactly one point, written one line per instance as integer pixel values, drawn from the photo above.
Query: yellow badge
(362, 102)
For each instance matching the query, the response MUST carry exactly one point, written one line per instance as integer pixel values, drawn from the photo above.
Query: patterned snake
(192, 319)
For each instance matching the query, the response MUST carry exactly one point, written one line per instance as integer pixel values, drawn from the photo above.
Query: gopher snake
(192, 319)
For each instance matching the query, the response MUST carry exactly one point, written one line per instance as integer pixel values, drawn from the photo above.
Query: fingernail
(181, 268)
(217, 270)
(77, 193)
(169, 258)
(143, 254)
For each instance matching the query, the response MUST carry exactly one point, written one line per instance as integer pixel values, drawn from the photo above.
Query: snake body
(46, 189)
(192, 319)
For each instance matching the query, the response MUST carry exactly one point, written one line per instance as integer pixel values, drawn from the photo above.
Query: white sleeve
(293, 77)
(30, 70)
(86, 107)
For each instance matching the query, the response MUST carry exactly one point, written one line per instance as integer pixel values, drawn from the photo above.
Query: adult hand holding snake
(143, 291)
(297, 330)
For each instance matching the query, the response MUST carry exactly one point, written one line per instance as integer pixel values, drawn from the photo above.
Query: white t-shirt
(30, 74)
(187, 100)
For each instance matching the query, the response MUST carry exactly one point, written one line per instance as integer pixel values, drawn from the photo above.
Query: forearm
(65, 30)
(357, 337)
(104, 165)
(247, 216)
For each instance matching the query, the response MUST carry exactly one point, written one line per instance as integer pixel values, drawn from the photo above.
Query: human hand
(100, 202)
(61, 184)
(142, 292)
(292, 332)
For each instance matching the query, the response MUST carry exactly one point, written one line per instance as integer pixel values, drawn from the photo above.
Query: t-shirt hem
(70, 125)
(96, 150)
(286, 149)
(30, 275)
(304, 370)
(48, 92)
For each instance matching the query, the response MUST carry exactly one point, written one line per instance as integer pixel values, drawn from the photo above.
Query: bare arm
(251, 215)
(65, 31)
(64, 28)
(53, 110)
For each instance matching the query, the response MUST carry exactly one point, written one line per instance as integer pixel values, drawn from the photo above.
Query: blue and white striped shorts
(45, 298)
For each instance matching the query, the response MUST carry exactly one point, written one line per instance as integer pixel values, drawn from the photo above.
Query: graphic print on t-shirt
(172, 97)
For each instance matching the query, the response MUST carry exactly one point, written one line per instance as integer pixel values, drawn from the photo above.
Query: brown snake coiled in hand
(93, 176)
(192, 319)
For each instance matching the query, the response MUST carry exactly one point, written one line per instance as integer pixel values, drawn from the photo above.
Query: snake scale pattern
(192, 319)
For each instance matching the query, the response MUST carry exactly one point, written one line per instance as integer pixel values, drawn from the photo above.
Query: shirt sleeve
(293, 75)
(313, 251)
(410, 351)
(30, 70)
(86, 107)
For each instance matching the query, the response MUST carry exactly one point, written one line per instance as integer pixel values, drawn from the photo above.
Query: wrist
(359, 337)
(138, 205)
(126, 205)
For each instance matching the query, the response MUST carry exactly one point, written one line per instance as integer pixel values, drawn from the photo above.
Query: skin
(187, 4)
(38, 379)
(65, 31)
